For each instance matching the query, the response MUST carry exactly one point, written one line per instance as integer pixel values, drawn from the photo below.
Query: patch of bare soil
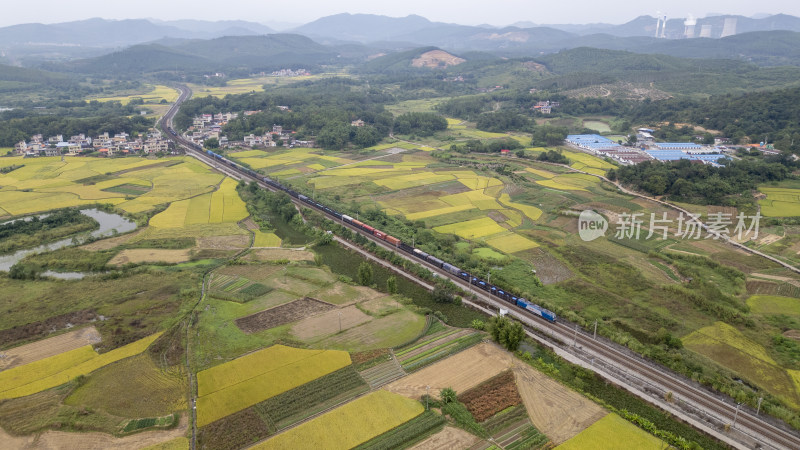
(449, 438)
(329, 322)
(792, 334)
(44, 327)
(461, 372)
(141, 255)
(283, 314)
(107, 244)
(436, 58)
(235, 242)
(557, 411)
(35, 351)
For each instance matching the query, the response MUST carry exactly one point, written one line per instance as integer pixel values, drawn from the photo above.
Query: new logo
(591, 225)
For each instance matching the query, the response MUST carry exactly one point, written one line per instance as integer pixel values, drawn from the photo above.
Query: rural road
(707, 410)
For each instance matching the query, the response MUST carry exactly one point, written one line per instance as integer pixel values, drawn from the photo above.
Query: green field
(773, 304)
(728, 347)
(780, 202)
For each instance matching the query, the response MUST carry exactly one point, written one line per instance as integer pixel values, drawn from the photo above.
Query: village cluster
(208, 126)
(102, 145)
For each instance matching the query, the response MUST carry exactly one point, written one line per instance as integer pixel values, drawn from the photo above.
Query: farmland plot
(612, 431)
(349, 425)
(56, 370)
(243, 382)
(46, 348)
(557, 411)
(461, 372)
(282, 314)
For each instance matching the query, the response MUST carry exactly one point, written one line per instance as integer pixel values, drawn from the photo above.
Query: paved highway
(696, 404)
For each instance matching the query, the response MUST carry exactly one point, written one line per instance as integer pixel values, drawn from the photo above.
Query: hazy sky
(472, 12)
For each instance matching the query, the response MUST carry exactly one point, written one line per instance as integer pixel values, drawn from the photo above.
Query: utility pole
(736, 416)
(575, 338)
(427, 396)
(489, 277)
(759, 404)
(595, 329)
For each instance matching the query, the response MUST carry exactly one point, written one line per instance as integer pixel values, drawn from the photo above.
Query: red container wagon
(393, 240)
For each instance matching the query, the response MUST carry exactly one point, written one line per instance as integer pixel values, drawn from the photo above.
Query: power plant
(689, 24)
(661, 25)
(729, 28)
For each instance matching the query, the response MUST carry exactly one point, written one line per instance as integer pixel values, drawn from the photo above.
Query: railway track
(709, 404)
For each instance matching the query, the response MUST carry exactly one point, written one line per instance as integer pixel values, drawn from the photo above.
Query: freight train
(415, 252)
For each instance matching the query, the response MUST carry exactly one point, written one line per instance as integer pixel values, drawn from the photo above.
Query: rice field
(253, 378)
(56, 370)
(542, 173)
(472, 229)
(266, 240)
(510, 242)
(154, 94)
(349, 425)
(774, 304)
(531, 212)
(780, 202)
(48, 183)
(221, 206)
(612, 431)
(570, 182)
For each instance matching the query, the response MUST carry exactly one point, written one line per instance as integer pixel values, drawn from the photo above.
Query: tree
(506, 332)
(442, 294)
(448, 395)
(365, 274)
(211, 143)
(391, 284)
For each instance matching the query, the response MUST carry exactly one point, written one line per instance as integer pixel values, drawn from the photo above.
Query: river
(109, 225)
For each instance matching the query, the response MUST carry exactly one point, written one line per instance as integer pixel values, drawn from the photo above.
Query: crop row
(140, 424)
(436, 338)
(408, 433)
(305, 400)
(457, 345)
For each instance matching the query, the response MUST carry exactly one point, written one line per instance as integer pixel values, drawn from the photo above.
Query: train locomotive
(528, 306)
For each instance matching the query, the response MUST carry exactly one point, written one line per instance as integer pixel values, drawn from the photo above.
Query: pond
(110, 224)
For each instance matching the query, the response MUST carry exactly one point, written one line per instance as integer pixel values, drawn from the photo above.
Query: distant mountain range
(230, 54)
(145, 46)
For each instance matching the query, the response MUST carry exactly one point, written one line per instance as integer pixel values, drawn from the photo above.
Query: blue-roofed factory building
(661, 151)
